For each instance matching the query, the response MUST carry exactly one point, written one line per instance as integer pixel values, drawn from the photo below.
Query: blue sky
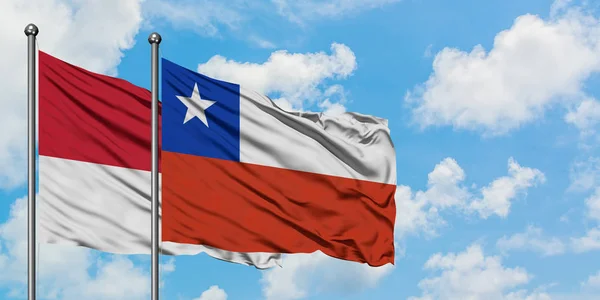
(492, 107)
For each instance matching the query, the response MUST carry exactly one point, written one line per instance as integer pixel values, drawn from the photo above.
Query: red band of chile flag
(243, 175)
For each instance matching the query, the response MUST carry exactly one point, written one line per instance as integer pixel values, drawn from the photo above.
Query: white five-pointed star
(195, 106)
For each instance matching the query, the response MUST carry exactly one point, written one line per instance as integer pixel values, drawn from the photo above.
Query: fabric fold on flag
(241, 174)
(95, 167)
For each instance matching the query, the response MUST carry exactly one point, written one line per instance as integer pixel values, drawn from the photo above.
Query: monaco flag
(241, 174)
(94, 166)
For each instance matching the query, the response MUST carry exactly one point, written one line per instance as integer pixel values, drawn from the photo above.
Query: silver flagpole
(31, 32)
(154, 40)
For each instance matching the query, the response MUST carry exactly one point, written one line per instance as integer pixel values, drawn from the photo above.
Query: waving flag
(94, 164)
(243, 175)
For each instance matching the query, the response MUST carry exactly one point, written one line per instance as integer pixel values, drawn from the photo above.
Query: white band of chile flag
(241, 174)
(94, 147)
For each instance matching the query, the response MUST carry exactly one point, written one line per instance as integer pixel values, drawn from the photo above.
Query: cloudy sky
(493, 108)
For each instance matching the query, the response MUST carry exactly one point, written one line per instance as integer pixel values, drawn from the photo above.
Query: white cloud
(443, 185)
(428, 51)
(533, 240)
(589, 242)
(330, 108)
(168, 267)
(304, 274)
(559, 6)
(446, 190)
(592, 204)
(472, 275)
(297, 79)
(415, 215)
(115, 277)
(585, 116)
(498, 195)
(202, 16)
(525, 295)
(76, 31)
(211, 17)
(420, 212)
(585, 174)
(533, 65)
(213, 293)
(593, 282)
(261, 42)
(301, 11)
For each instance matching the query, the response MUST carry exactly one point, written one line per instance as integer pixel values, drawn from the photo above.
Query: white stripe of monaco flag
(94, 166)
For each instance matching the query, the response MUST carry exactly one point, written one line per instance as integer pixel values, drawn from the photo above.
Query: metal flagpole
(31, 32)
(154, 40)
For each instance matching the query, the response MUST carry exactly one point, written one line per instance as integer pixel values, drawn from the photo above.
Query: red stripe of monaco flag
(94, 152)
(243, 175)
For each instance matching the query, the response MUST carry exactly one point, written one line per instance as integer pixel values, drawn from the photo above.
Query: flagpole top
(154, 38)
(31, 29)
